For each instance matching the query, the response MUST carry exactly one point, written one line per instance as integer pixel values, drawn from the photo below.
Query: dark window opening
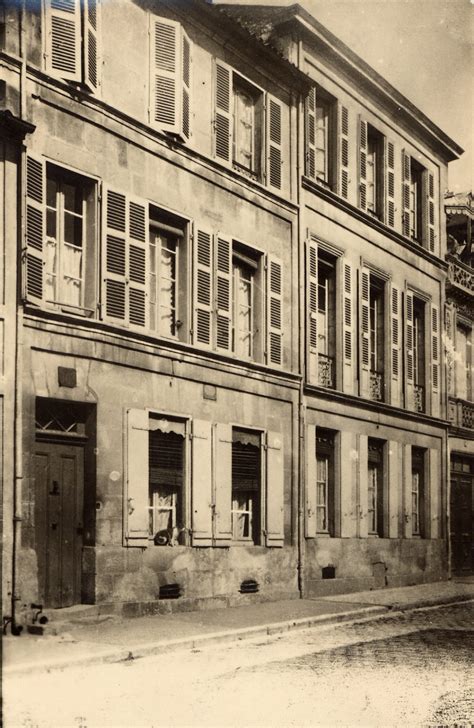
(325, 481)
(417, 491)
(246, 486)
(166, 481)
(326, 324)
(375, 491)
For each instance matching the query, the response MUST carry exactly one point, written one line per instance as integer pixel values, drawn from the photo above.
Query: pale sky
(422, 47)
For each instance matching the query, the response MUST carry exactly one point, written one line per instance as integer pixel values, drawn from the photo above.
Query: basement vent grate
(249, 586)
(170, 591)
(329, 572)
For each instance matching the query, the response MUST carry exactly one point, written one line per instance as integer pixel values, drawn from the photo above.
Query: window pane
(51, 221)
(51, 192)
(73, 230)
(72, 198)
(244, 119)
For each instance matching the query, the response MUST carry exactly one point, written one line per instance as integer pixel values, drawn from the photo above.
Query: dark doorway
(462, 511)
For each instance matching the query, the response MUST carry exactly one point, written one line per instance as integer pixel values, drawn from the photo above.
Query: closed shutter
(92, 37)
(201, 497)
(165, 79)
(395, 345)
(223, 268)
(310, 485)
(430, 225)
(435, 361)
(362, 164)
(137, 498)
(274, 143)
(312, 309)
(409, 362)
(389, 157)
(63, 41)
(364, 323)
(203, 288)
(274, 533)
(138, 226)
(223, 485)
(450, 317)
(434, 495)
(274, 311)
(347, 330)
(406, 180)
(223, 126)
(186, 69)
(343, 151)
(35, 229)
(310, 131)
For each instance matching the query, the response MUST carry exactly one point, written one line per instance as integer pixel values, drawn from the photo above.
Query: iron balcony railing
(461, 413)
(326, 371)
(419, 397)
(376, 386)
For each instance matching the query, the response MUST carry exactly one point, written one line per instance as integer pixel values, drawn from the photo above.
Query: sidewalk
(111, 639)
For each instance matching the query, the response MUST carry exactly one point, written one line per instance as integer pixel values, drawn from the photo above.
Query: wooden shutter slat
(389, 160)
(138, 226)
(395, 345)
(310, 134)
(274, 311)
(203, 289)
(363, 141)
(114, 257)
(137, 500)
(435, 361)
(92, 69)
(364, 323)
(63, 39)
(406, 181)
(166, 75)
(274, 528)
(35, 229)
(409, 353)
(312, 309)
(311, 477)
(347, 329)
(223, 287)
(223, 127)
(430, 213)
(343, 151)
(201, 496)
(223, 485)
(186, 66)
(274, 143)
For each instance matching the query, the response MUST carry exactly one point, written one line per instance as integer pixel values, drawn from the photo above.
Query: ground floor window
(324, 481)
(246, 485)
(166, 475)
(417, 491)
(375, 492)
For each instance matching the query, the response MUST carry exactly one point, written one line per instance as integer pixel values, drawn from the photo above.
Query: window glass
(246, 486)
(166, 480)
(375, 488)
(167, 274)
(325, 496)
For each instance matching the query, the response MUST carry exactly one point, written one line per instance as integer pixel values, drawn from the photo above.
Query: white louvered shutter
(201, 495)
(165, 79)
(223, 126)
(395, 345)
(406, 180)
(186, 70)
(389, 157)
(312, 309)
(362, 164)
(409, 360)
(343, 151)
(137, 499)
(274, 143)
(274, 311)
(310, 131)
(92, 38)
(63, 38)
(223, 485)
(223, 278)
(35, 229)
(203, 328)
(274, 526)
(311, 477)
(364, 323)
(114, 257)
(138, 226)
(435, 361)
(430, 215)
(347, 330)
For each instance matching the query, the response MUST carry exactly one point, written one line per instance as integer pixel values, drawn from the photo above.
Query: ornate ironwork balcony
(326, 371)
(376, 386)
(467, 415)
(461, 413)
(419, 397)
(460, 278)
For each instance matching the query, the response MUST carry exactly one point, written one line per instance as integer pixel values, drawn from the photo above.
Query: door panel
(462, 545)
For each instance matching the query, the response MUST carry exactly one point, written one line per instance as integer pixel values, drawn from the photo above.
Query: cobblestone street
(411, 668)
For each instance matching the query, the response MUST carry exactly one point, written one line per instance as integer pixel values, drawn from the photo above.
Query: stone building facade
(225, 248)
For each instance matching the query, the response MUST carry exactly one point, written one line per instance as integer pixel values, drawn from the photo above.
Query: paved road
(412, 669)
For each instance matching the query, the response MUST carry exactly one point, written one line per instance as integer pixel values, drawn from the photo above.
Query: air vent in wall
(249, 586)
(170, 591)
(329, 572)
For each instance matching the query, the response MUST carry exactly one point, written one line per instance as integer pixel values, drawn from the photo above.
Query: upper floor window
(418, 203)
(326, 323)
(419, 371)
(372, 364)
(320, 139)
(247, 127)
(371, 169)
(170, 77)
(463, 362)
(72, 40)
(246, 301)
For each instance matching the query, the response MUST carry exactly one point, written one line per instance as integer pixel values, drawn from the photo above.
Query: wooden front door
(59, 483)
(462, 512)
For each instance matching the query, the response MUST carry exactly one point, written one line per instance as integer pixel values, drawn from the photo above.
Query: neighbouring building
(222, 306)
(459, 324)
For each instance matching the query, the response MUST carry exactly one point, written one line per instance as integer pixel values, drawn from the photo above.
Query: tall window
(416, 181)
(377, 340)
(247, 126)
(417, 491)
(246, 486)
(375, 493)
(166, 475)
(463, 363)
(324, 481)
(374, 171)
(419, 372)
(326, 319)
(246, 300)
(320, 128)
(167, 275)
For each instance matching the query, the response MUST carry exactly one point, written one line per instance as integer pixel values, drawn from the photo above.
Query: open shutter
(92, 39)
(137, 500)
(310, 131)
(434, 495)
(430, 213)
(311, 475)
(274, 143)
(63, 40)
(223, 126)
(274, 534)
(343, 151)
(138, 226)
(201, 497)
(362, 164)
(395, 345)
(364, 305)
(186, 68)
(409, 363)
(435, 361)
(165, 68)
(406, 179)
(312, 309)
(274, 311)
(223, 485)
(389, 158)
(114, 257)
(347, 326)
(35, 229)
(223, 268)
(203, 288)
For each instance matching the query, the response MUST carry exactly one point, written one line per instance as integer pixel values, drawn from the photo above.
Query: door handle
(55, 490)
(54, 526)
